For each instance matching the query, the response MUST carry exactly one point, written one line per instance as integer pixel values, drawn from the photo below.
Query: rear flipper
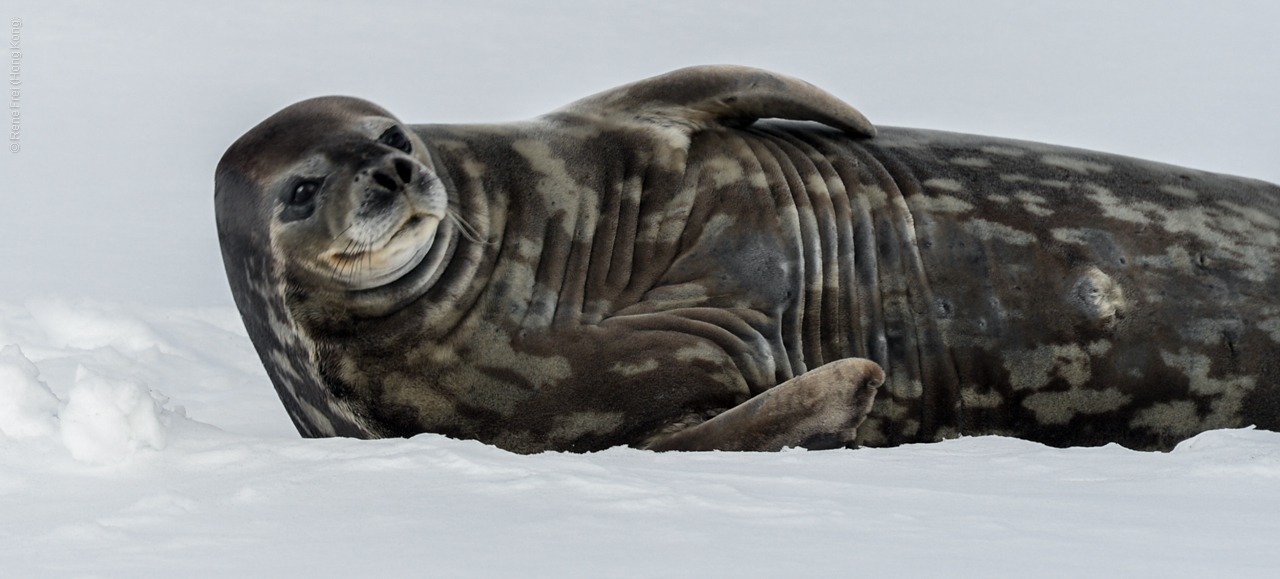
(818, 409)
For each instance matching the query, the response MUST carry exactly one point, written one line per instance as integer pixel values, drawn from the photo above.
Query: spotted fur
(652, 267)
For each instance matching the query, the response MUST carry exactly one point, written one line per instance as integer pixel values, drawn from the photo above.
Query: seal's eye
(394, 137)
(304, 192)
(299, 199)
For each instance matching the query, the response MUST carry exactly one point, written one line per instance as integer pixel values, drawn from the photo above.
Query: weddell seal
(651, 266)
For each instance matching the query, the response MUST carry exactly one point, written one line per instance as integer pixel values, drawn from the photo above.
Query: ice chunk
(28, 408)
(106, 420)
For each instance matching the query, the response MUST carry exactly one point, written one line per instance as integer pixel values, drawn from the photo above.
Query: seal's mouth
(360, 266)
(408, 226)
(407, 229)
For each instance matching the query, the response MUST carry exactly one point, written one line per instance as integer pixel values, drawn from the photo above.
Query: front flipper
(818, 409)
(698, 96)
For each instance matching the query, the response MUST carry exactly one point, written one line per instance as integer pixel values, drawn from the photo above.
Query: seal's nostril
(405, 170)
(385, 180)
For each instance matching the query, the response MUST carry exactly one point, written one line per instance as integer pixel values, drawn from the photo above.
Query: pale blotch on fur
(875, 197)
(1099, 348)
(1112, 206)
(835, 186)
(1175, 258)
(1253, 215)
(939, 204)
(555, 183)
(578, 424)
(1061, 407)
(1004, 151)
(976, 162)
(1033, 203)
(1182, 418)
(1033, 369)
(1177, 419)
(1245, 241)
(1069, 235)
(1196, 368)
(971, 399)
(1181, 192)
(816, 184)
(400, 390)
(494, 346)
(989, 231)
(724, 170)
(633, 369)
(944, 184)
(1073, 164)
(1272, 327)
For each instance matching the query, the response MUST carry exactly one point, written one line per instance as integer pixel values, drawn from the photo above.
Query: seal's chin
(402, 252)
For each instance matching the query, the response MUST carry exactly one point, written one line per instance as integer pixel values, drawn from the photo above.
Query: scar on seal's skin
(726, 258)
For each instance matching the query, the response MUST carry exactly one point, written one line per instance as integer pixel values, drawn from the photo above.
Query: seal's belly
(1005, 287)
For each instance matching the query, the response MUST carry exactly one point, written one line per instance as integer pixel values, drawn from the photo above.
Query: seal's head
(328, 211)
(349, 195)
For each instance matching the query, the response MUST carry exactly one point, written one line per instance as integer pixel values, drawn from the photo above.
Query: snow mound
(103, 420)
(107, 420)
(85, 324)
(80, 353)
(28, 408)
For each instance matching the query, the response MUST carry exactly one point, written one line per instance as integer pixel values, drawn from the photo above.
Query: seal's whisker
(465, 228)
(368, 258)
(365, 253)
(345, 264)
(341, 233)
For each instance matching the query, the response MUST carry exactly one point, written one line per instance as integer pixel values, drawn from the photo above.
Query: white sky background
(127, 106)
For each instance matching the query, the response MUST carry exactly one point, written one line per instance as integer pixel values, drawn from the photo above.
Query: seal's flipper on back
(698, 96)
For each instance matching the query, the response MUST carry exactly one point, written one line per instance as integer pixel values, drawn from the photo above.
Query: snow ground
(139, 434)
(208, 480)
